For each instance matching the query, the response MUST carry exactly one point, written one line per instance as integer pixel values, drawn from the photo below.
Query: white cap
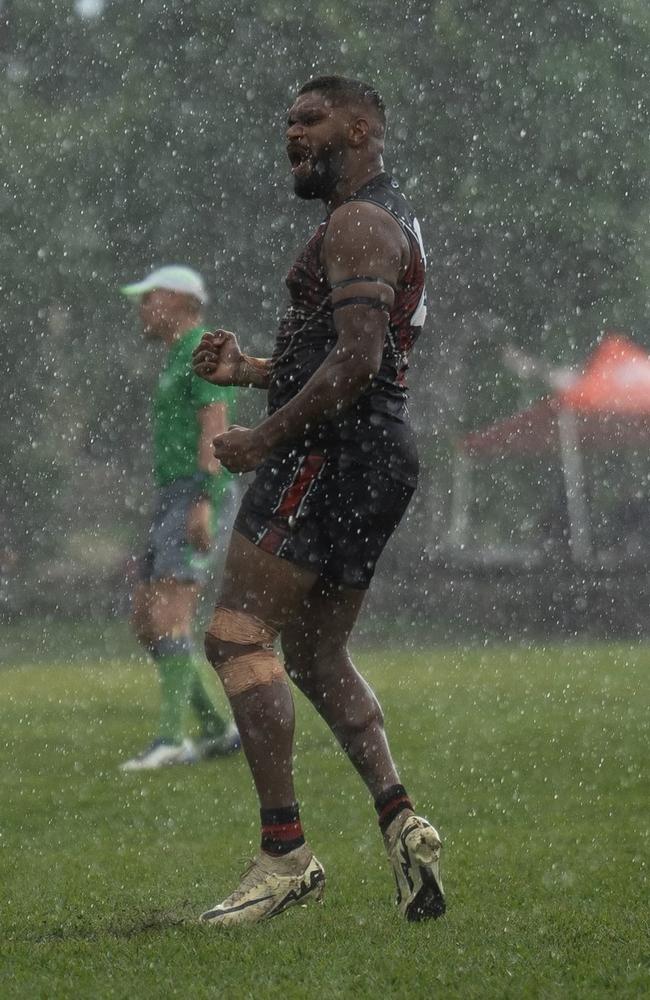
(173, 278)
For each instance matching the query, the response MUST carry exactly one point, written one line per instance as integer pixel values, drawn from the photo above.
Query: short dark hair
(341, 90)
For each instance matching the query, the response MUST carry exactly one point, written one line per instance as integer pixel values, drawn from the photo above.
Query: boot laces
(250, 877)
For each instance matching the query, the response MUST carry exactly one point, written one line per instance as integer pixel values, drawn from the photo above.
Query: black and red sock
(281, 830)
(390, 803)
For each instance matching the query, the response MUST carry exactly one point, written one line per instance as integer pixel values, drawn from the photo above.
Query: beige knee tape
(253, 668)
(240, 627)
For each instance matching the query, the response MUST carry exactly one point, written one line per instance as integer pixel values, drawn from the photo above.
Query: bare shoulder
(364, 219)
(362, 233)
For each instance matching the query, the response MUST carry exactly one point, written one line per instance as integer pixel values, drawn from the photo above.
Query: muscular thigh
(316, 640)
(266, 586)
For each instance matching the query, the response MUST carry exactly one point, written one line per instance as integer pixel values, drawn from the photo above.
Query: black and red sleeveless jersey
(374, 430)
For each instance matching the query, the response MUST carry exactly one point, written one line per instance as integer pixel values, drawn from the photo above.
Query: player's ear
(359, 130)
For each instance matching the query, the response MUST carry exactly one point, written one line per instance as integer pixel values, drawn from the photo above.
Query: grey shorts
(168, 555)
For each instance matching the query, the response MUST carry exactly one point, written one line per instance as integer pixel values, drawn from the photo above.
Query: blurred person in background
(191, 490)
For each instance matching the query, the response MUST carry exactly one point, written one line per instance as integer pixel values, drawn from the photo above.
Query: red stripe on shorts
(292, 496)
(271, 541)
(305, 474)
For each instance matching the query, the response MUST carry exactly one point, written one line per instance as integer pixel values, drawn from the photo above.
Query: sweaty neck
(352, 181)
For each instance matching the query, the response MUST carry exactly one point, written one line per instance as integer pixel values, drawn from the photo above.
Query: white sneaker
(268, 886)
(162, 754)
(413, 847)
(220, 746)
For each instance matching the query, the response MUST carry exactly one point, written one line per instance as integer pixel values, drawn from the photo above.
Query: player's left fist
(240, 449)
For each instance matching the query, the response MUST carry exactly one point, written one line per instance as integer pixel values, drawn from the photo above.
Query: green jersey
(179, 396)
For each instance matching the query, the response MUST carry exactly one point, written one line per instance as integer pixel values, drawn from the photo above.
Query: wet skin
(333, 151)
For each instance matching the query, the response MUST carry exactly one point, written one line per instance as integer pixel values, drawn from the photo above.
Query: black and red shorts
(323, 512)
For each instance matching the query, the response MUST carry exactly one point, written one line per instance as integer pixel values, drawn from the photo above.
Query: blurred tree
(138, 134)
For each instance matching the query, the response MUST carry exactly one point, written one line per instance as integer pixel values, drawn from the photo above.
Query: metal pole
(461, 479)
(574, 484)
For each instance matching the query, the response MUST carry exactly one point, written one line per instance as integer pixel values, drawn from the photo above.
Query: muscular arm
(219, 360)
(254, 373)
(362, 240)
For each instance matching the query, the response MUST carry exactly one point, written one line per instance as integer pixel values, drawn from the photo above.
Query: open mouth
(300, 159)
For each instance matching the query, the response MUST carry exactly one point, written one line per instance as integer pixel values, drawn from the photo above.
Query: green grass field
(530, 761)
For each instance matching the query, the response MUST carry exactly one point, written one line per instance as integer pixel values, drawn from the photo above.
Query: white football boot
(268, 886)
(413, 847)
(162, 754)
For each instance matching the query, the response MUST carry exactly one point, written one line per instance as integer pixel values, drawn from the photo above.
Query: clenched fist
(218, 358)
(240, 449)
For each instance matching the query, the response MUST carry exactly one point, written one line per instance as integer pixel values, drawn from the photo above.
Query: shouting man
(336, 466)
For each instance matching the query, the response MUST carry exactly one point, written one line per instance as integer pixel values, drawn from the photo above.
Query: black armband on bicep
(361, 300)
(360, 279)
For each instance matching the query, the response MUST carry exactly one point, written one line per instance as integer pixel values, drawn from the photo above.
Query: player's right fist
(217, 358)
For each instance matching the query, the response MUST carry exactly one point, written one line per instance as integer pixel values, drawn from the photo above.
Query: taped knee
(240, 647)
